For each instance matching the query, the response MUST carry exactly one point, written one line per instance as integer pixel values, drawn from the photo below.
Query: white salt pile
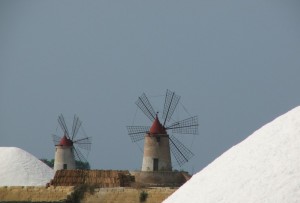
(265, 167)
(19, 168)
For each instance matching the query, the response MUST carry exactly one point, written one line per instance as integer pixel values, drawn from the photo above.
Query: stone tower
(157, 155)
(64, 155)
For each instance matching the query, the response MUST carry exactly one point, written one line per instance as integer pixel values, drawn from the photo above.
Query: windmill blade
(75, 127)
(63, 125)
(181, 153)
(171, 101)
(56, 139)
(84, 143)
(137, 133)
(78, 155)
(144, 104)
(187, 126)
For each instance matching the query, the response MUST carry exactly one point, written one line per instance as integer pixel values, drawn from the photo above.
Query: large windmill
(158, 143)
(68, 146)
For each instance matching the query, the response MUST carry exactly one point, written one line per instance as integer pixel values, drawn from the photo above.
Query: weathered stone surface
(127, 195)
(97, 178)
(160, 178)
(97, 195)
(107, 186)
(34, 194)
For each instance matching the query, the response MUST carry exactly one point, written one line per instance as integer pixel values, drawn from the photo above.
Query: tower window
(155, 164)
(65, 166)
(158, 139)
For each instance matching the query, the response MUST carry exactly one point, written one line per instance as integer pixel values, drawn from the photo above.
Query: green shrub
(143, 196)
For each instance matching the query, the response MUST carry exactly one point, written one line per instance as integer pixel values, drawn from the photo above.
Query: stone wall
(96, 178)
(127, 195)
(34, 194)
(159, 178)
(96, 195)
(107, 186)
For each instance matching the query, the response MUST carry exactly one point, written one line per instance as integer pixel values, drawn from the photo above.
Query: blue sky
(234, 63)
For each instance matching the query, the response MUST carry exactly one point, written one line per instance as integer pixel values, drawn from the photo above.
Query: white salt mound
(20, 168)
(265, 167)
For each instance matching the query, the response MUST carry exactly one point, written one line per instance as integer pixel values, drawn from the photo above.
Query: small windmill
(68, 147)
(158, 143)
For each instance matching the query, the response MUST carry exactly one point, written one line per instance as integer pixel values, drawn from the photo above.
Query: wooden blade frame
(63, 125)
(146, 107)
(75, 127)
(137, 133)
(171, 101)
(187, 126)
(56, 139)
(78, 155)
(84, 143)
(181, 153)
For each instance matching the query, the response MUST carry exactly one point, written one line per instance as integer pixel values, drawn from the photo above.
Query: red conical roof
(157, 127)
(65, 141)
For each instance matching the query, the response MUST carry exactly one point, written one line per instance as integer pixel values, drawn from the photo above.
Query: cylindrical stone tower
(157, 155)
(64, 155)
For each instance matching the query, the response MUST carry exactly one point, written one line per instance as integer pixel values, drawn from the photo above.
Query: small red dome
(157, 127)
(65, 141)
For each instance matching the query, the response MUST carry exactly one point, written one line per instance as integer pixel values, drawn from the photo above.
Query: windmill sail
(144, 104)
(75, 127)
(79, 156)
(186, 126)
(84, 143)
(137, 133)
(56, 139)
(171, 101)
(181, 153)
(63, 125)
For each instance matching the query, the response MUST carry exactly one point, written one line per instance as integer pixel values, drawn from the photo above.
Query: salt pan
(265, 167)
(20, 168)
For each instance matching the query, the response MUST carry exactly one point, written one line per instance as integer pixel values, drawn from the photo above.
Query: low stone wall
(115, 178)
(107, 186)
(35, 194)
(62, 194)
(127, 195)
(159, 178)
(96, 178)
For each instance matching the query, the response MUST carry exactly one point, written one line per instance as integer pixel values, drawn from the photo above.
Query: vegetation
(77, 195)
(79, 192)
(79, 164)
(50, 163)
(143, 196)
(82, 165)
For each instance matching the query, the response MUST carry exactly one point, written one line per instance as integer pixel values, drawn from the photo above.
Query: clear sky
(235, 64)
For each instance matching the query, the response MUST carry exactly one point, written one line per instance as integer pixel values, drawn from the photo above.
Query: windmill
(158, 143)
(68, 146)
